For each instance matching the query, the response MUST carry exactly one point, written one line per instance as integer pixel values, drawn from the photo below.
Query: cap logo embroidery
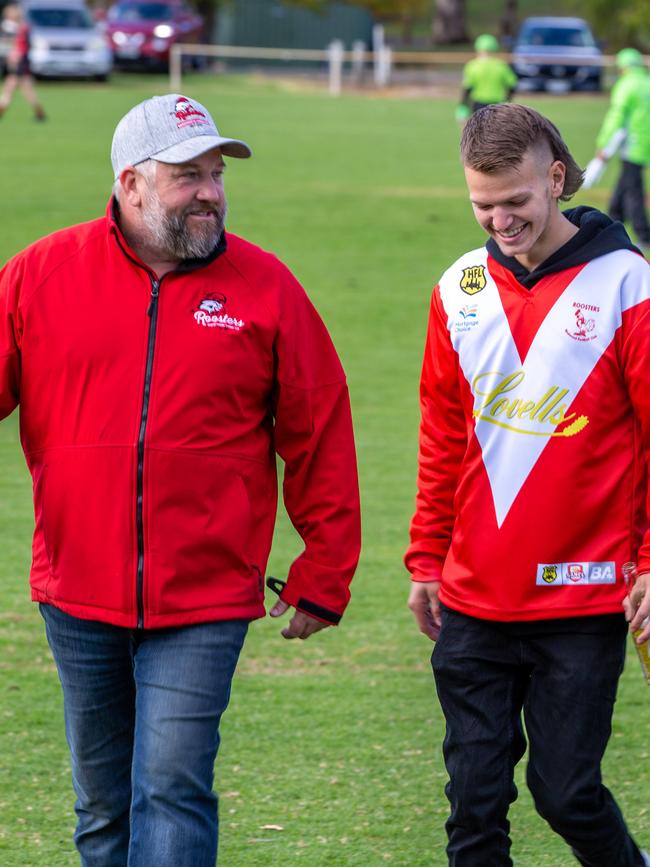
(188, 115)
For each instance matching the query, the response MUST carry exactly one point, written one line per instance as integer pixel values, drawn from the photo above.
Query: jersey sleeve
(443, 443)
(510, 79)
(616, 116)
(634, 351)
(469, 76)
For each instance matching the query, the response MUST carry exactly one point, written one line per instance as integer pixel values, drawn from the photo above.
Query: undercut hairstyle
(497, 137)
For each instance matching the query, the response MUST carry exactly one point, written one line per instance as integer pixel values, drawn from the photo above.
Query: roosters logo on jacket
(473, 279)
(187, 115)
(211, 313)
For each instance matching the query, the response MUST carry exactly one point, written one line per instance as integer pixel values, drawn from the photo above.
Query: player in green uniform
(486, 79)
(628, 121)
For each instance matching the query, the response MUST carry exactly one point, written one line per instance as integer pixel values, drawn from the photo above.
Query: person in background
(486, 79)
(160, 364)
(626, 129)
(18, 71)
(532, 493)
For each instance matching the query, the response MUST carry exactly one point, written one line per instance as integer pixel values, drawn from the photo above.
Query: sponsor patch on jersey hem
(578, 572)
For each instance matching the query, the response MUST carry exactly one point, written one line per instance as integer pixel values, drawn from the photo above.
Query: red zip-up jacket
(151, 414)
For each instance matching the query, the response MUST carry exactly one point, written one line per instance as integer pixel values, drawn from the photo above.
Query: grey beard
(170, 235)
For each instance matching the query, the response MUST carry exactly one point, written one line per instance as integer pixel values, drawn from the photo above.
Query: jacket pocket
(84, 526)
(198, 524)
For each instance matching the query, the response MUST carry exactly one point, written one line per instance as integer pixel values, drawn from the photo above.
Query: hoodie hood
(597, 235)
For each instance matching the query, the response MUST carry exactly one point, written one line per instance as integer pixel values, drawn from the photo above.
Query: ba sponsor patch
(578, 572)
(473, 279)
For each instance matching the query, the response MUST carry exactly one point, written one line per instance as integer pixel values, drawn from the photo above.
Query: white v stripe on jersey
(519, 406)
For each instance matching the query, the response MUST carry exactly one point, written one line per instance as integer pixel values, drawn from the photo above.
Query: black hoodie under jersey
(597, 235)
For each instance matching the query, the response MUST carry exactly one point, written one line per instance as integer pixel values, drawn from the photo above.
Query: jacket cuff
(317, 611)
(317, 590)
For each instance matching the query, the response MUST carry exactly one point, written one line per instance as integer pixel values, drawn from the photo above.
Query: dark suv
(557, 54)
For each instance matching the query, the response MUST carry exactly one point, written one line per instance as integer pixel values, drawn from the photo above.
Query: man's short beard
(168, 232)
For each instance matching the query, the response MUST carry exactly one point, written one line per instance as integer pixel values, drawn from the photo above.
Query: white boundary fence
(334, 56)
(382, 59)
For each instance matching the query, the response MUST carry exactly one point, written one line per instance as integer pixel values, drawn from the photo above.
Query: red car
(141, 32)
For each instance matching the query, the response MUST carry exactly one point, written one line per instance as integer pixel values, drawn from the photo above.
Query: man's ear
(557, 175)
(131, 183)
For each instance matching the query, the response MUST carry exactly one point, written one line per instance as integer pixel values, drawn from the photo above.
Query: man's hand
(423, 602)
(637, 606)
(301, 625)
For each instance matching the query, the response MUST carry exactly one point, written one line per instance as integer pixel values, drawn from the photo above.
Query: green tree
(449, 25)
(621, 22)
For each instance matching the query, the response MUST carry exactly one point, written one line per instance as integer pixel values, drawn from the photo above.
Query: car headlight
(163, 31)
(119, 38)
(96, 44)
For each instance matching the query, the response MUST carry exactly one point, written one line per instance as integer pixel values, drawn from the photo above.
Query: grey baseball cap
(171, 129)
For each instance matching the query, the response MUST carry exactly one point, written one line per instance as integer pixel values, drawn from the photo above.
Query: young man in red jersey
(532, 491)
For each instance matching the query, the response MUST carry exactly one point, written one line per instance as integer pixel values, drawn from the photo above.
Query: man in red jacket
(161, 363)
(532, 491)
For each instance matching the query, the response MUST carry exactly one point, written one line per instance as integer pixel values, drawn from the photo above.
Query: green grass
(336, 740)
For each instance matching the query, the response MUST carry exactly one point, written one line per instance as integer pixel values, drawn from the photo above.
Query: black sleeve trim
(318, 611)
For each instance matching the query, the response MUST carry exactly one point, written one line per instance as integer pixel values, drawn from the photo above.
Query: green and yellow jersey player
(486, 79)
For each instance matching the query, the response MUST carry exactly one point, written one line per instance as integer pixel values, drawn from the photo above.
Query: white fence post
(358, 59)
(385, 65)
(335, 52)
(175, 68)
(377, 50)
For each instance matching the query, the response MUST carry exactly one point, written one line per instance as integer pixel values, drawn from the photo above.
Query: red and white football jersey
(534, 440)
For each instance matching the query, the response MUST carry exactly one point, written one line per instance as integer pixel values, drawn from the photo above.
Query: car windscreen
(567, 37)
(140, 12)
(73, 19)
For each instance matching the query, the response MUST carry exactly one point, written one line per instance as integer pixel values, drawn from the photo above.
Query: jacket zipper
(152, 313)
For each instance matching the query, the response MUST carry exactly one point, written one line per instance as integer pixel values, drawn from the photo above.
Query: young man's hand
(637, 606)
(423, 602)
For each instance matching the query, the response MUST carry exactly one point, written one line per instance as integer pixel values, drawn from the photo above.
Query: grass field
(331, 748)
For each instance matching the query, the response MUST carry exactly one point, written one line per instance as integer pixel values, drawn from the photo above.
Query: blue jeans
(563, 676)
(142, 712)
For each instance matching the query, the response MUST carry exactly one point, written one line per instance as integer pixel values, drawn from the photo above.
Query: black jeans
(563, 675)
(628, 201)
